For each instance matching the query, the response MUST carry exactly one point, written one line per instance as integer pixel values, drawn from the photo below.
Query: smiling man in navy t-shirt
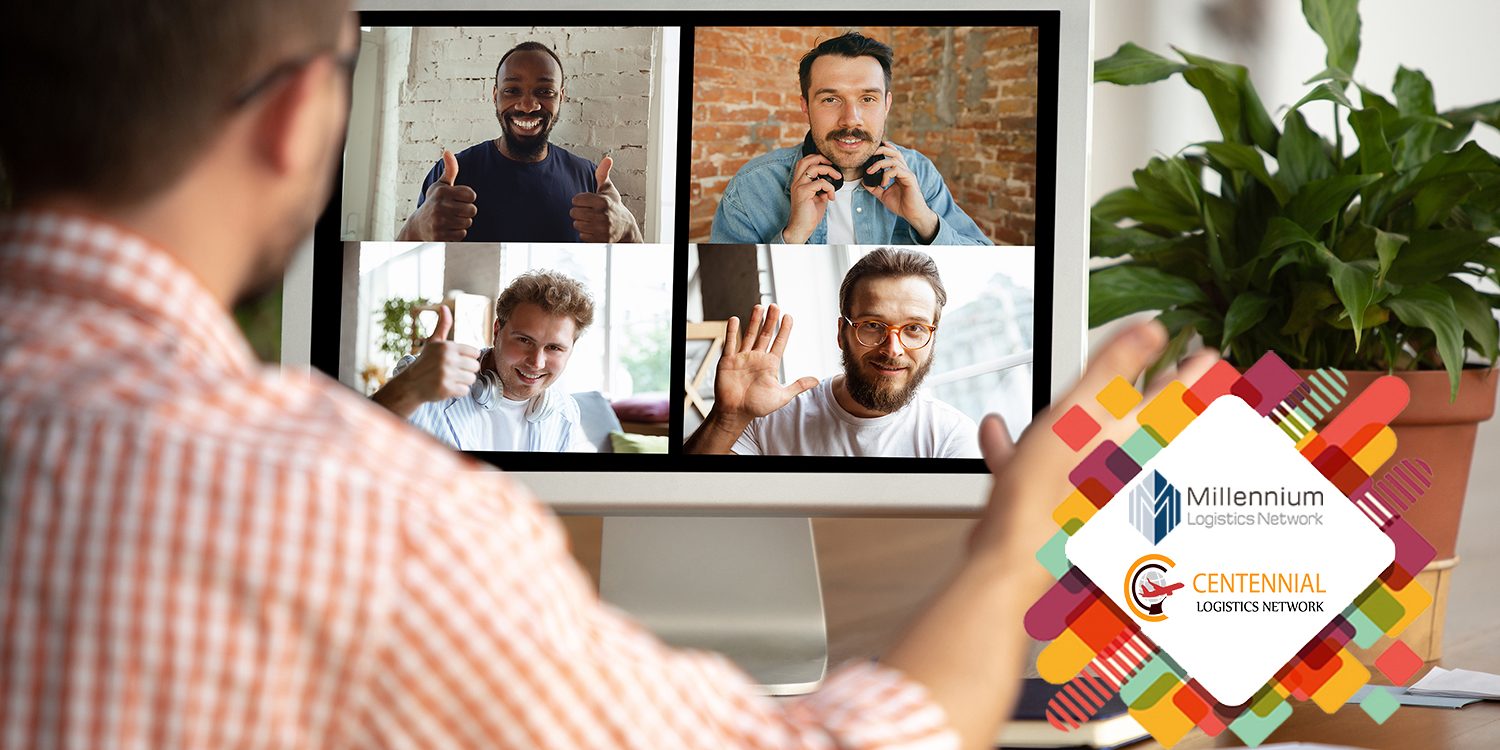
(519, 187)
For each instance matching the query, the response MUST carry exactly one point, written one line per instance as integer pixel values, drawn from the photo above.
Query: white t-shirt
(841, 215)
(814, 424)
(507, 429)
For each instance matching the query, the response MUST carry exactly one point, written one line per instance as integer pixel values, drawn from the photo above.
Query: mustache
(848, 133)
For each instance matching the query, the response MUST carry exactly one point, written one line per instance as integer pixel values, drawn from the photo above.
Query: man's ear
(495, 94)
(803, 101)
(291, 126)
(889, 97)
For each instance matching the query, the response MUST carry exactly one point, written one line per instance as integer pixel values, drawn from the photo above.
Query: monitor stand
(745, 587)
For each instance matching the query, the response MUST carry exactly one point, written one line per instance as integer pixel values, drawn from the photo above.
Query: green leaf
(1429, 306)
(1326, 91)
(1374, 150)
(1211, 237)
(1375, 316)
(1245, 312)
(1488, 113)
(1129, 203)
(1282, 232)
(1437, 199)
(1223, 100)
(1236, 106)
(1303, 154)
(1472, 159)
(1414, 100)
(1169, 186)
(1354, 283)
(1246, 159)
(1469, 159)
(1309, 300)
(1476, 315)
(1337, 22)
(1330, 74)
(1131, 65)
(1387, 247)
(1433, 254)
(1109, 241)
(1413, 93)
(1388, 112)
(1320, 201)
(1117, 291)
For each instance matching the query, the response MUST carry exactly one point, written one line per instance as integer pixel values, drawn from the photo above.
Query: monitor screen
(584, 214)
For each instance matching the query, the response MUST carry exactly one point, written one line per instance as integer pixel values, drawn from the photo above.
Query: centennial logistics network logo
(1226, 518)
(1147, 587)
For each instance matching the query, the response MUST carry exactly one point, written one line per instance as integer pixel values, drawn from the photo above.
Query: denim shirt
(757, 203)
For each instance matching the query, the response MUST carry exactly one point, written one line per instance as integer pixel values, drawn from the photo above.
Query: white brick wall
(607, 82)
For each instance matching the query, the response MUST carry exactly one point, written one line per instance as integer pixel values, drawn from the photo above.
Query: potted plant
(399, 335)
(1352, 250)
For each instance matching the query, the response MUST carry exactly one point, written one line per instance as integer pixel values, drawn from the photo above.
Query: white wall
(1452, 41)
(435, 92)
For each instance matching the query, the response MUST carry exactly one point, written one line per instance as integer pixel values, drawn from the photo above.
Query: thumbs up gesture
(444, 369)
(601, 216)
(447, 210)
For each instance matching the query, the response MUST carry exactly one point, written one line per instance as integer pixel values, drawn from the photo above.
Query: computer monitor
(686, 109)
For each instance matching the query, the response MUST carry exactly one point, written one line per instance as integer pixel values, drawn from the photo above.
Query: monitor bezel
(654, 485)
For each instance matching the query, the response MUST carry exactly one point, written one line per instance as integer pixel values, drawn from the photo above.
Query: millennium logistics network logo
(1155, 507)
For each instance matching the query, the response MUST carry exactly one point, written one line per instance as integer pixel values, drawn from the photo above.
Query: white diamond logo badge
(1266, 549)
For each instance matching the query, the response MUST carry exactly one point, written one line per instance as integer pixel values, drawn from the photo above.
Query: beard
(525, 146)
(874, 394)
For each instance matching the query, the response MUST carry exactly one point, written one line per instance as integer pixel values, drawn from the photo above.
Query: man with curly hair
(500, 399)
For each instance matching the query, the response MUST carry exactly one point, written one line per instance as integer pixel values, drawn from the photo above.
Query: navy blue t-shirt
(519, 201)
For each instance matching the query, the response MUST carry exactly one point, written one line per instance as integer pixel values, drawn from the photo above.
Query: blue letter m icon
(1155, 507)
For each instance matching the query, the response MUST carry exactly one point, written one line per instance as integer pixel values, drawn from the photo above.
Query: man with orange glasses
(889, 305)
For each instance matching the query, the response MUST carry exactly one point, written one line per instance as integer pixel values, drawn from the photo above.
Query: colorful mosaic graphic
(1097, 650)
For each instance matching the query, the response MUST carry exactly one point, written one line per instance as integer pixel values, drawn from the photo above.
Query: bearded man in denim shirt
(785, 197)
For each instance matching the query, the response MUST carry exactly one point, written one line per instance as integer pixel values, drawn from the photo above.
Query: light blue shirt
(554, 424)
(757, 203)
(457, 422)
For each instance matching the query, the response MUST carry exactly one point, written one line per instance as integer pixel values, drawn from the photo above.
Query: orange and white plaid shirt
(196, 551)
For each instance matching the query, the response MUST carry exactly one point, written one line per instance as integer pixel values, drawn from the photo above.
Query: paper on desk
(1458, 683)
(1406, 698)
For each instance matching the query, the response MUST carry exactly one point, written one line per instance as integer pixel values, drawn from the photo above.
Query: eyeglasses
(877, 332)
(259, 86)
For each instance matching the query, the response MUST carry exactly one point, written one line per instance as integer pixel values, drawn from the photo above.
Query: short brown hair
(850, 44)
(555, 293)
(118, 99)
(890, 262)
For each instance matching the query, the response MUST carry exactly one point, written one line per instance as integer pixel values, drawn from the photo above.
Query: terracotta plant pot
(1442, 434)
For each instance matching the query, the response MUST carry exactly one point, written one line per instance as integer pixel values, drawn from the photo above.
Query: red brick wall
(966, 98)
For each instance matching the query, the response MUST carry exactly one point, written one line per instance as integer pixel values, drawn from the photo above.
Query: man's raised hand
(747, 383)
(443, 370)
(447, 212)
(601, 216)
